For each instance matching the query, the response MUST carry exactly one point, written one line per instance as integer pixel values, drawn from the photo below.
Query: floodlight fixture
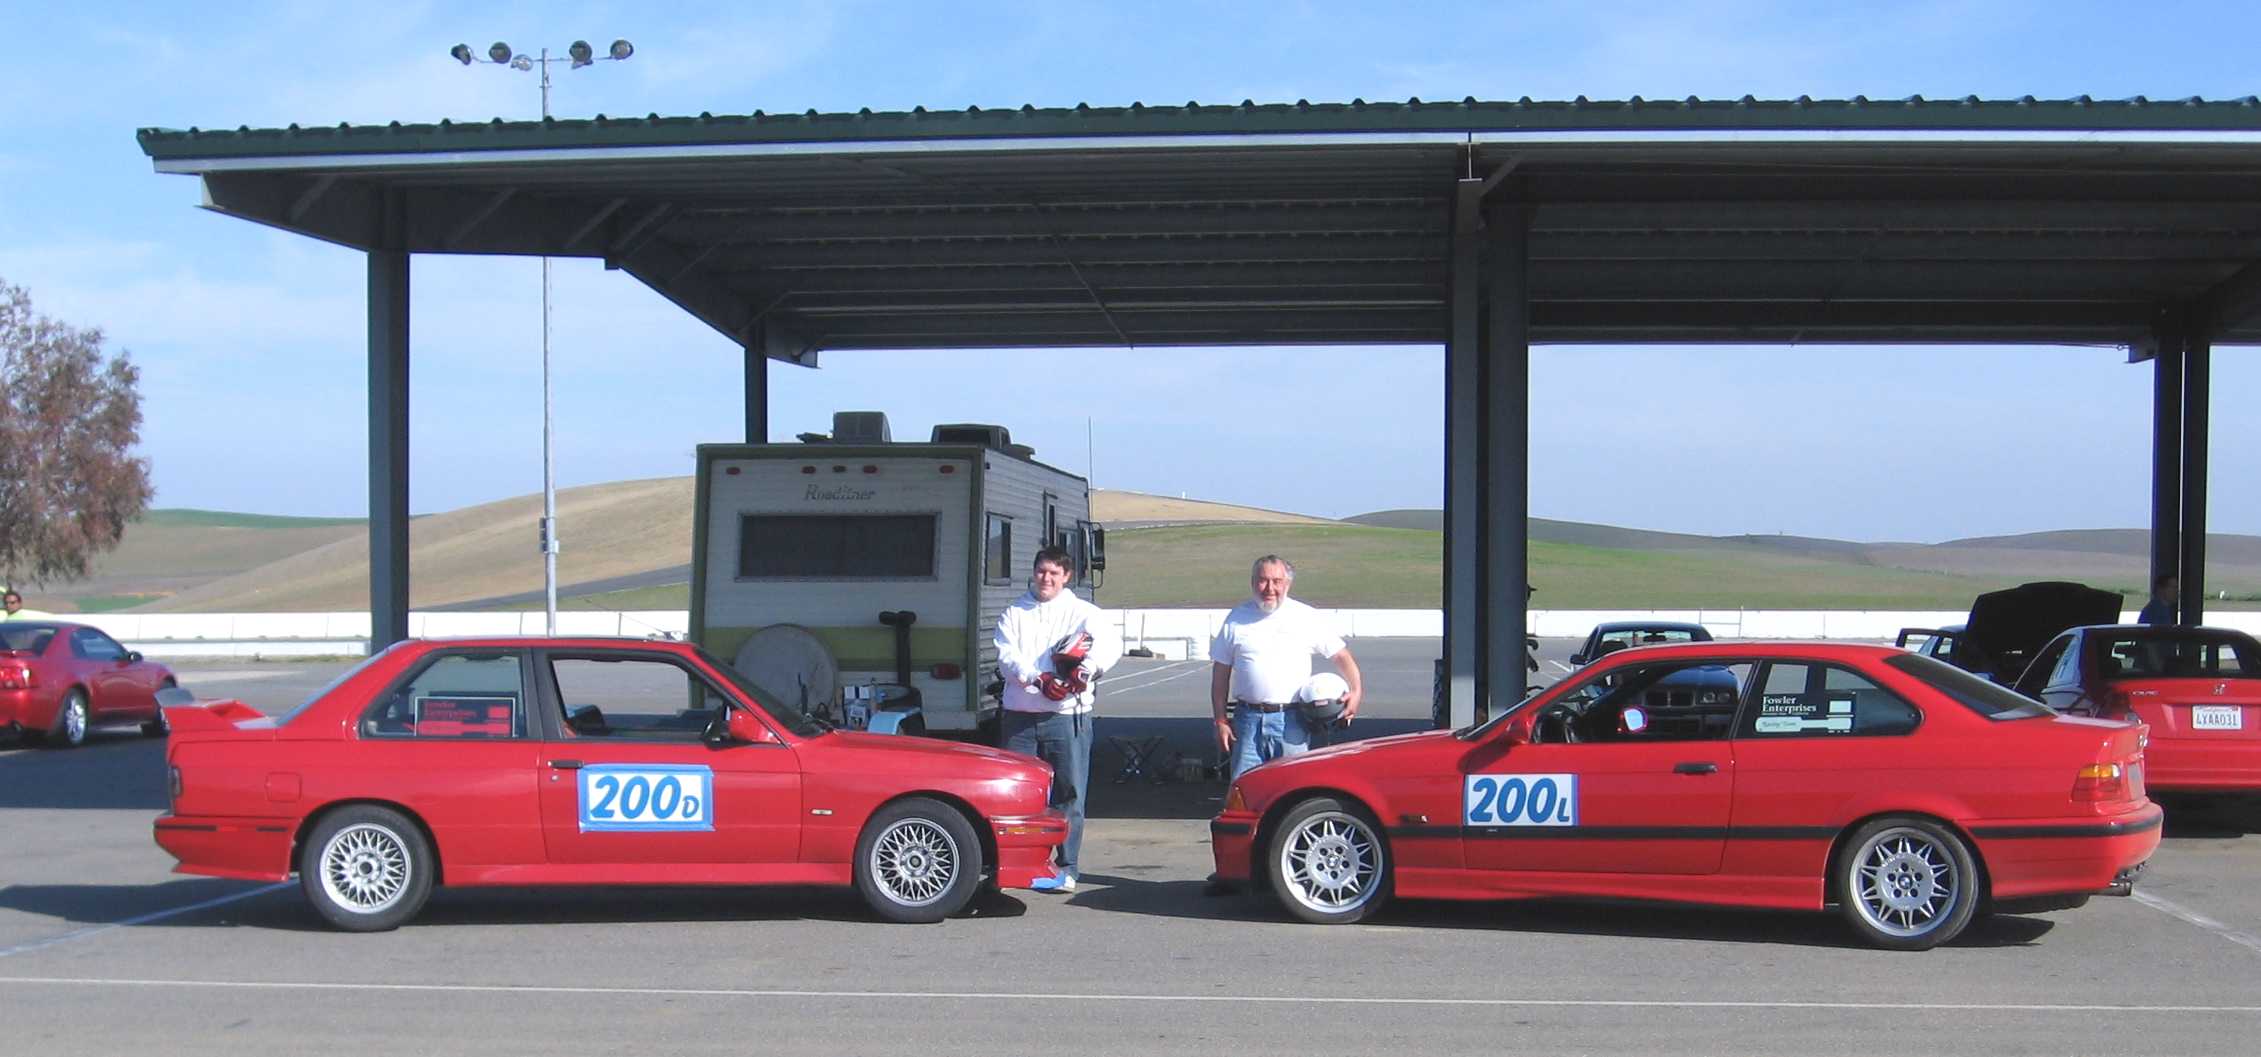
(621, 49)
(499, 52)
(522, 63)
(581, 54)
(462, 53)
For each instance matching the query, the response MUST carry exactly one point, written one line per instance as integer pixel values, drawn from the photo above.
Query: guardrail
(1171, 633)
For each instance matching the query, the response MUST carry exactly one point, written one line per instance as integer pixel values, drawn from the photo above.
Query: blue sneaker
(1062, 882)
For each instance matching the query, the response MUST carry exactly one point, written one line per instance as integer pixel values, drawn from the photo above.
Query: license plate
(2217, 717)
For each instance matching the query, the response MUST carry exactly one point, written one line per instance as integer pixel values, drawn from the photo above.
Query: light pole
(579, 55)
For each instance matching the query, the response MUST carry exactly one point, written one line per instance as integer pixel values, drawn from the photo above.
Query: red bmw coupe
(1908, 794)
(587, 761)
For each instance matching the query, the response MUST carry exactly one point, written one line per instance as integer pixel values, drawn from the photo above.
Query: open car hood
(2013, 623)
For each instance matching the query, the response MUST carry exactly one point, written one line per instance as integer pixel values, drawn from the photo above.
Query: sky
(251, 341)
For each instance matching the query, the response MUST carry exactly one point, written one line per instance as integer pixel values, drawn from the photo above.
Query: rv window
(997, 551)
(872, 546)
(1078, 542)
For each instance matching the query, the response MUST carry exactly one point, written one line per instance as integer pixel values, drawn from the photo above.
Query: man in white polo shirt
(1260, 658)
(1048, 698)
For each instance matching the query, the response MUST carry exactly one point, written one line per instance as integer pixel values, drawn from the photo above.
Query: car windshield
(802, 724)
(30, 638)
(1970, 691)
(1500, 716)
(2190, 654)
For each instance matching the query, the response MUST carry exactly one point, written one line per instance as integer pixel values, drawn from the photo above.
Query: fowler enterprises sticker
(1795, 713)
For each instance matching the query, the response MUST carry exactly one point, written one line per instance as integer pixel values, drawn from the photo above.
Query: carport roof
(1672, 221)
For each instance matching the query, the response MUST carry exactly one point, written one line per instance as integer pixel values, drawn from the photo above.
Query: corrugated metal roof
(1914, 113)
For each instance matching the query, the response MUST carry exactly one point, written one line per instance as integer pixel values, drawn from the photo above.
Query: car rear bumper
(252, 849)
(1024, 846)
(1232, 840)
(2035, 857)
(2202, 765)
(24, 710)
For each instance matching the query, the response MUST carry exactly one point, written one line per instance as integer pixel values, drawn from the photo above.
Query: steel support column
(1505, 485)
(757, 391)
(2197, 400)
(2166, 453)
(388, 438)
(1464, 416)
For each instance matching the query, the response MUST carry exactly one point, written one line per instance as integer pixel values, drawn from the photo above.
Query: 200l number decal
(1520, 800)
(646, 797)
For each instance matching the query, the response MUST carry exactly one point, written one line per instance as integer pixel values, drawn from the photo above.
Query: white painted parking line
(1030, 996)
(1565, 668)
(1154, 676)
(80, 934)
(2174, 909)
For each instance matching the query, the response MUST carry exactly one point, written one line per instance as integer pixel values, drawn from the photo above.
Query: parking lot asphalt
(103, 950)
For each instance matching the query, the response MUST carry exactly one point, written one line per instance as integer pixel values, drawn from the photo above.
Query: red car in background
(2198, 689)
(1907, 793)
(59, 681)
(587, 761)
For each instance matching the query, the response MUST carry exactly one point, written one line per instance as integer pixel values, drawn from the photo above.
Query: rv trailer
(861, 578)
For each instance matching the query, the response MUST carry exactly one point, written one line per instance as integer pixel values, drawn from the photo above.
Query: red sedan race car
(1907, 793)
(59, 681)
(600, 761)
(2198, 689)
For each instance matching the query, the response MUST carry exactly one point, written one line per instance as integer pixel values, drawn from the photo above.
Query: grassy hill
(1165, 552)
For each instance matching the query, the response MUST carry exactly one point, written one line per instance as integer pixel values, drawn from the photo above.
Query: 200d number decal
(1520, 800)
(646, 797)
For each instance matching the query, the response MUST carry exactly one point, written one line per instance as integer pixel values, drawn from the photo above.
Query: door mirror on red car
(133, 656)
(739, 727)
(1518, 729)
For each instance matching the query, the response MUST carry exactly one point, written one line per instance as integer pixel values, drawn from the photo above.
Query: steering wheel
(1557, 724)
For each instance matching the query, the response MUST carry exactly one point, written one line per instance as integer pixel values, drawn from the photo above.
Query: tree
(70, 415)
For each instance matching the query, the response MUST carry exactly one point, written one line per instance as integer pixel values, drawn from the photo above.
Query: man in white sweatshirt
(1049, 695)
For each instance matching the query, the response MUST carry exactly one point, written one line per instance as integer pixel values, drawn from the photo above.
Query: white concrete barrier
(1174, 634)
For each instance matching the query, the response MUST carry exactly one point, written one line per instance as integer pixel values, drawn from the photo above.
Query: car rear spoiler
(1909, 633)
(186, 715)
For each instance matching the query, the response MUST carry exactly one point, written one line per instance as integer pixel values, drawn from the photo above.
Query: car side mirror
(1518, 730)
(133, 656)
(1578, 657)
(736, 726)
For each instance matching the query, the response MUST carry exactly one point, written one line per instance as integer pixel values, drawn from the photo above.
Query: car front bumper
(1232, 841)
(1025, 844)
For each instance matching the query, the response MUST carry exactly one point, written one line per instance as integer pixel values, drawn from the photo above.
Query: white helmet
(1325, 686)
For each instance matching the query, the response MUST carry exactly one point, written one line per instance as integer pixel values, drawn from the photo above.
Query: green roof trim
(1913, 114)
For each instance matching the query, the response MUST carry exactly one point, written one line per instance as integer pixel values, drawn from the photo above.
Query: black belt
(1257, 706)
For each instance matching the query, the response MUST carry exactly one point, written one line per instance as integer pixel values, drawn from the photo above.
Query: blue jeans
(1064, 741)
(1259, 737)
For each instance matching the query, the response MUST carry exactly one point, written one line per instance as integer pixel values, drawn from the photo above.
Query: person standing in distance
(1260, 658)
(1048, 689)
(2166, 600)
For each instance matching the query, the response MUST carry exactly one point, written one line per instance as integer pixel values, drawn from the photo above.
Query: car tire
(1906, 884)
(366, 868)
(918, 861)
(1328, 862)
(74, 721)
(158, 727)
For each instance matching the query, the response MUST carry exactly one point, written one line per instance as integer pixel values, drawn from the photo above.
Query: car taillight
(173, 785)
(17, 677)
(2101, 781)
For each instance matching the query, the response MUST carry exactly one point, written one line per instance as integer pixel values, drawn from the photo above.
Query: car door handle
(1695, 768)
(566, 765)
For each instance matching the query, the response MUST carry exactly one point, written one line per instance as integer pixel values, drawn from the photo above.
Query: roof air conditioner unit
(860, 427)
(981, 433)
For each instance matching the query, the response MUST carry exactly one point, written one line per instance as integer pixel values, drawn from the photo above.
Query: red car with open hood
(1905, 792)
(587, 761)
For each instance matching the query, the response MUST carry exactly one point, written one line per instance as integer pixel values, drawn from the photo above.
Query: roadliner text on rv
(838, 493)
